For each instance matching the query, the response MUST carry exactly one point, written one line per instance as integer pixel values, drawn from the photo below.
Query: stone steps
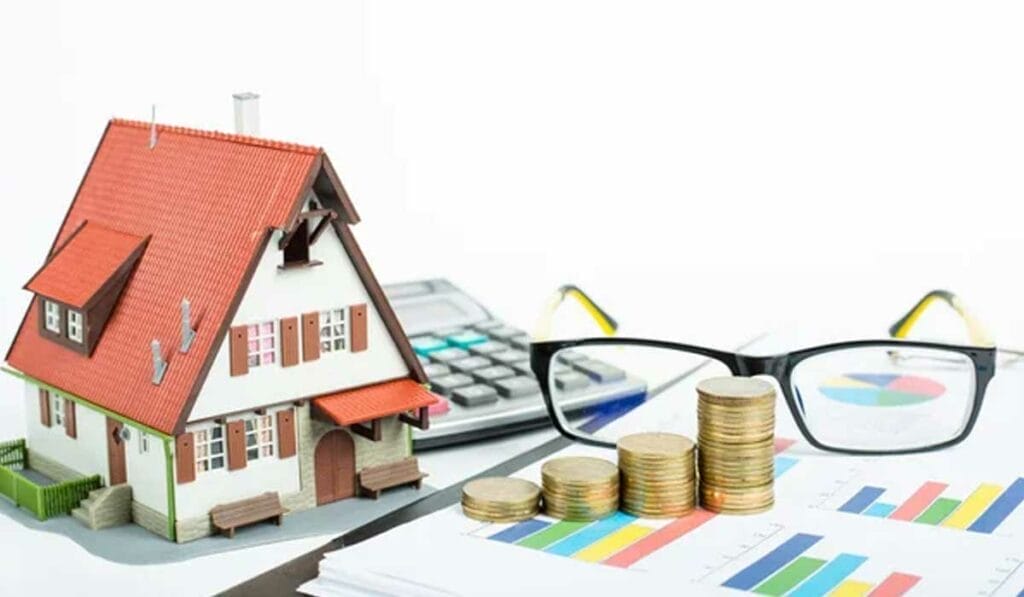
(105, 507)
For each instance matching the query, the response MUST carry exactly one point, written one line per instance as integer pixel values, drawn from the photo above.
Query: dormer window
(52, 310)
(76, 323)
(296, 240)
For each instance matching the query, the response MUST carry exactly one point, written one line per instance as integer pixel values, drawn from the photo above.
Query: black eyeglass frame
(778, 366)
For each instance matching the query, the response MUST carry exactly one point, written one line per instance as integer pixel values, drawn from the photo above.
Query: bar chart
(798, 567)
(981, 510)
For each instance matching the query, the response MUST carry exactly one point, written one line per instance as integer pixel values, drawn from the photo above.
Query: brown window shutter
(310, 336)
(236, 445)
(44, 407)
(239, 350)
(358, 315)
(70, 424)
(289, 341)
(185, 457)
(286, 433)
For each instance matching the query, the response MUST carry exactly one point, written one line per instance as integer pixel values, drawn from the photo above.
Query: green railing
(43, 501)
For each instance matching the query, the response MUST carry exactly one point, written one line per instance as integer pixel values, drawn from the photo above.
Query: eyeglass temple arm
(605, 321)
(975, 329)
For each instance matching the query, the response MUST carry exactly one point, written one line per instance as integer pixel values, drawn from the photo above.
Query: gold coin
(656, 445)
(582, 470)
(732, 388)
(501, 489)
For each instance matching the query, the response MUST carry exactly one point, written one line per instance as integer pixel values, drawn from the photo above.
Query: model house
(206, 330)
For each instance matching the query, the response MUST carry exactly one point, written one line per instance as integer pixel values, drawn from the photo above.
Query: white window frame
(76, 326)
(52, 316)
(143, 443)
(204, 442)
(261, 348)
(260, 436)
(57, 410)
(333, 325)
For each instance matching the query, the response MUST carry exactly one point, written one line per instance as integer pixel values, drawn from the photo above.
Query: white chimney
(187, 333)
(159, 364)
(247, 113)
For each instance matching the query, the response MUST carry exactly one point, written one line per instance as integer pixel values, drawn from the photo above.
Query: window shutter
(239, 350)
(44, 407)
(185, 457)
(286, 433)
(289, 341)
(358, 326)
(70, 424)
(310, 336)
(236, 445)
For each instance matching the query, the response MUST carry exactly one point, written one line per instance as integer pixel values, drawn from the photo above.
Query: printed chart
(881, 389)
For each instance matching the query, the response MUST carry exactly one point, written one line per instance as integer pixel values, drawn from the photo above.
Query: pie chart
(881, 389)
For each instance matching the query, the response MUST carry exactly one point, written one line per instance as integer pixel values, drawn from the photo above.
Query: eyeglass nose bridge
(747, 365)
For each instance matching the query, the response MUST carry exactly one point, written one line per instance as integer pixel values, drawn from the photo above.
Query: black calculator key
(436, 370)
(446, 383)
(571, 380)
(492, 374)
(469, 363)
(488, 348)
(598, 371)
(516, 387)
(475, 395)
(510, 356)
(448, 354)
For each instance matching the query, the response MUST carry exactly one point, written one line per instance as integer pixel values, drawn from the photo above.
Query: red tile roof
(84, 264)
(373, 402)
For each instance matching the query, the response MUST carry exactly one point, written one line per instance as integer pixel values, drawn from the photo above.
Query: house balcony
(37, 493)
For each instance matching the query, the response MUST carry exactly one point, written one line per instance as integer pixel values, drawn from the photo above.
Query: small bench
(375, 479)
(227, 517)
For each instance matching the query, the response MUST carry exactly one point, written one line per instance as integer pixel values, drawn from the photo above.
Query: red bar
(659, 538)
(783, 443)
(916, 504)
(895, 585)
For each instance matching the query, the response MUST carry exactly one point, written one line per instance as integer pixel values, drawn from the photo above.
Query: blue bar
(772, 562)
(783, 464)
(590, 534)
(880, 509)
(862, 499)
(517, 532)
(1000, 509)
(829, 577)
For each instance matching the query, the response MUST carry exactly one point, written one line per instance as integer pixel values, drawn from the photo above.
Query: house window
(262, 344)
(259, 437)
(75, 325)
(296, 252)
(332, 330)
(143, 443)
(209, 447)
(52, 316)
(57, 408)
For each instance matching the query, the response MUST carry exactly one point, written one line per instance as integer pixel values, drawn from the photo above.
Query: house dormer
(81, 283)
(305, 230)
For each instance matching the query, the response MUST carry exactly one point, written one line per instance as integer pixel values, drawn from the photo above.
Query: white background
(707, 171)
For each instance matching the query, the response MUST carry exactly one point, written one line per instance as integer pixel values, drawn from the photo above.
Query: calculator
(479, 366)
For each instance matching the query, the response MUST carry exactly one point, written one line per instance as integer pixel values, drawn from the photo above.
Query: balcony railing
(45, 501)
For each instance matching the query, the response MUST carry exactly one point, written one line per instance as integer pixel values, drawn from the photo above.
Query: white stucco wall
(147, 472)
(85, 454)
(275, 293)
(220, 486)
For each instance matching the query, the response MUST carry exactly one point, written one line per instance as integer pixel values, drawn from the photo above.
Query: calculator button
(469, 363)
(557, 368)
(449, 354)
(445, 332)
(439, 408)
(475, 395)
(490, 374)
(523, 367)
(510, 356)
(571, 356)
(446, 383)
(505, 332)
(599, 372)
(517, 386)
(571, 380)
(466, 339)
(487, 348)
(490, 324)
(522, 342)
(422, 359)
(436, 370)
(424, 345)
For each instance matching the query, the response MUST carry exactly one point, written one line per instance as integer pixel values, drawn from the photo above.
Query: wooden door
(335, 465)
(115, 453)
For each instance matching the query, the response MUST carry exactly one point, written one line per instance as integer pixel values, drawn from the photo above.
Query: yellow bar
(852, 588)
(973, 506)
(612, 544)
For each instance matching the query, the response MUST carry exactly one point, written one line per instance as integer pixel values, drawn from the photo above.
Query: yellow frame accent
(976, 331)
(603, 320)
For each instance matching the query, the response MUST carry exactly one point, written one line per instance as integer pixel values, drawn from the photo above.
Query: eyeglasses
(887, 396)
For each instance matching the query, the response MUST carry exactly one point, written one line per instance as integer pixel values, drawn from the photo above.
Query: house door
(115, 453)
(335, 464)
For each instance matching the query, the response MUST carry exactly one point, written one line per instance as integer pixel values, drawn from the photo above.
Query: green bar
(938, 511)
(555, 532)
(795, 573)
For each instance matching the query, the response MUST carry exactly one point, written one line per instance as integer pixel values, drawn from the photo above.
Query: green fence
(43, 501)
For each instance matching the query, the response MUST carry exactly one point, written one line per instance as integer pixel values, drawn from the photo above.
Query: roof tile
(373, 402)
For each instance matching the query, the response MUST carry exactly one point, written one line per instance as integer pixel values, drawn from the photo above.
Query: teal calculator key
(466, 339)
(424, 345)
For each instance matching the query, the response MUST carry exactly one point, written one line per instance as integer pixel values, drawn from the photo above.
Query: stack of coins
(580, 488)
(736, 456)
(658, 475)
(500, 499)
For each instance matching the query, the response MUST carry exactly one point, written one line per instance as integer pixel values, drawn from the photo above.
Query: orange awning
(374, 402)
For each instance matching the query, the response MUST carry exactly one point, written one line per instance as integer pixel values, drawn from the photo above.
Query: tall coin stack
(580, 488)
(735, 455)
(658, 475)
(500, 499)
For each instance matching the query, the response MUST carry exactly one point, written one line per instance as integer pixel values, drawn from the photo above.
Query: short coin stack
(658, 475)
(500, 499)
(736, 417)
(580, 488)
